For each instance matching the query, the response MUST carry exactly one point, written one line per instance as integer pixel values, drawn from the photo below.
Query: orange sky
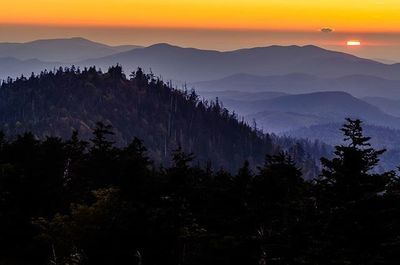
(342, 15)
(211, 24)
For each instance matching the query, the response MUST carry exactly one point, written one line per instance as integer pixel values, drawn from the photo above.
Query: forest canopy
(55, 103)
(91, 202)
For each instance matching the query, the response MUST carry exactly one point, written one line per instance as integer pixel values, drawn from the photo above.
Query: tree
(116, 73)
(242, 185)
(135, 170)
(140, 78)
(348, 176)
(179, 187)
(102, 232)
(75, 181)
(349, 200)
(279, 199)
(100, 140)
(103, 154)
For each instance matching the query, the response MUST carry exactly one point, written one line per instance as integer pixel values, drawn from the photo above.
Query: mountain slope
(294, 111)
(56, 103)
(239, 95)
(388, 105)
(357, 85)
(281, 121)
(195, 65)
(60, 50)
(11, 67)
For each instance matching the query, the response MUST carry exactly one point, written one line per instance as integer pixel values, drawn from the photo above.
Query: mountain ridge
(316, 108)
(359, 85)
(66, 50)
(194, 65)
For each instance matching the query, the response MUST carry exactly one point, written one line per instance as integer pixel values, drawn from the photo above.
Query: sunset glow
(211, 24)
(356, 15)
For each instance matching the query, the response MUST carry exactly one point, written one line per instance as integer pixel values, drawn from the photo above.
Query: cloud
(326, 30)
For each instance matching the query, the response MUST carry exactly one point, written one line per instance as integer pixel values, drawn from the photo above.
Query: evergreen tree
(135, 170)
(75, 181)
(349, 195)
(101, 142)
(279, 198)
(68, 202)
(103, 155)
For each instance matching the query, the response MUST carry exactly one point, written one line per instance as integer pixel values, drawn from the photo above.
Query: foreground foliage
(78, 202)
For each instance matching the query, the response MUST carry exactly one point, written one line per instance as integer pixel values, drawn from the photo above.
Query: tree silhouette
(348, 195)
(347, 177)
(279, 192)
(100, 140)
(103, 202)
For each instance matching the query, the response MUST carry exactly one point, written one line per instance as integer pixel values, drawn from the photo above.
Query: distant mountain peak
(168, 46)
(65, 50)
(72, 39)
(163, 45)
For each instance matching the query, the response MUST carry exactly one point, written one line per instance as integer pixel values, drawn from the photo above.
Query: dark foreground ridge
(77, 202)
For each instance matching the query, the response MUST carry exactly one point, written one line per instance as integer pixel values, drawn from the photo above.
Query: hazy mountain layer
(240, 95)
(60, 50)
(188, 64)
(11, 67)
(357, 85)
(381, 137)
(388, 105)
(294, 111)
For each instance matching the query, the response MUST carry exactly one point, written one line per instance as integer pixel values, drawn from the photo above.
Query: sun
(353, 43)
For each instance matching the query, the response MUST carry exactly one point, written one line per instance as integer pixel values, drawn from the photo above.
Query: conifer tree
(100, 140)
(279, 205)
(349, 200)
(348, 176)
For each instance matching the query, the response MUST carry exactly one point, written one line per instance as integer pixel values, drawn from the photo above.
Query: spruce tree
(349, 201)
(348, 177)
(278, 191)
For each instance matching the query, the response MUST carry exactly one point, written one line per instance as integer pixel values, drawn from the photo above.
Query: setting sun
(353, 43)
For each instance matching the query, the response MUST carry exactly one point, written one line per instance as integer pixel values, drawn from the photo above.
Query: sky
(211, 24)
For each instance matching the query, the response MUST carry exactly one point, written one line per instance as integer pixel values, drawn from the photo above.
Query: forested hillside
(91, 203)
(56, 103)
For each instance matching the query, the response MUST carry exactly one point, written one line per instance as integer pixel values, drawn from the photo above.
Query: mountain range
(280, 89)
(61, 50)
(189, 64)
(381, 138)
(289, 112)
(297, 83)
(192, 65)
(388, 105)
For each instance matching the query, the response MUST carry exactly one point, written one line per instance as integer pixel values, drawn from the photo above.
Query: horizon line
(198, 28)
